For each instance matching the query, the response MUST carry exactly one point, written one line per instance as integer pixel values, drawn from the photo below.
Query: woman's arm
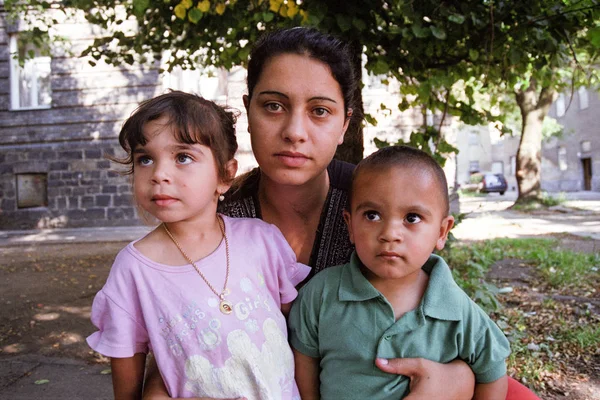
(493, 391)
(128, 376)
(155, 389)
(432, 380)
(307, 376)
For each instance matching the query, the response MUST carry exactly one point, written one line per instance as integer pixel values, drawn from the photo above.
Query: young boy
(394, 298)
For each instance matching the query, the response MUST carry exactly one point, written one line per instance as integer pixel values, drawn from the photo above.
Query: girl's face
(176, 181)
(296, 119)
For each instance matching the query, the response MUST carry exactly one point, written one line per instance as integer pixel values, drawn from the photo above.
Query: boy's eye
(413, 218)
(144, 160)
(372, 216)
(184, 159)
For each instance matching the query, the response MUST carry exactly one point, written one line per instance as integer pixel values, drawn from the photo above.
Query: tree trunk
(353, 147)
(534, 109)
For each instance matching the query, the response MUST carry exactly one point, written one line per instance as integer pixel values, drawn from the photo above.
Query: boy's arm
(128, 376)
(432, 380)
(493, 391)
(307, 376)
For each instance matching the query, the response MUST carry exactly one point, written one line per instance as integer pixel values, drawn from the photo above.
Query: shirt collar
(443, 299)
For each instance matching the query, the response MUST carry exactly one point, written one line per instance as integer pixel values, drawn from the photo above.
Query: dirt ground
(46, 292)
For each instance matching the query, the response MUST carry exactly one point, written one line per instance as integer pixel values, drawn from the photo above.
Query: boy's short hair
(403, 157)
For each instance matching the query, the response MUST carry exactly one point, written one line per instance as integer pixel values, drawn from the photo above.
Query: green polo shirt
(340, 318)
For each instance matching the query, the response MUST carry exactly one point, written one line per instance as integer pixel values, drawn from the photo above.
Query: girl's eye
(144, 160)
(321, 112)
(372, 216)
(273, 107)
(184, 159)
(413, 218)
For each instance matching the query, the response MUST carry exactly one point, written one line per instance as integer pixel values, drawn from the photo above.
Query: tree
(458, 58)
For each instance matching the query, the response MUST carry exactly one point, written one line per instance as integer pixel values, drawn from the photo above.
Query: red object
(516, 391)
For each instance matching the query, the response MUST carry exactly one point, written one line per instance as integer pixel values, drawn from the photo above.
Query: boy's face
(396, 220)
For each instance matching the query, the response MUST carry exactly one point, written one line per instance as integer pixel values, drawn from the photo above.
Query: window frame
(14, 74)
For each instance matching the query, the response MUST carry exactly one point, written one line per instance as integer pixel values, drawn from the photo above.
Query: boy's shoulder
(326, 280)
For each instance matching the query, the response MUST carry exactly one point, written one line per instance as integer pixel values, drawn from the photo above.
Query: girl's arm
(432, 380)
(155, 389)
(307, 376)
(128, 376)
(493, 391)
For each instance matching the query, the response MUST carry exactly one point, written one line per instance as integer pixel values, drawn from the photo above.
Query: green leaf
(140, 7)
(381, 67)
(473, 54)
(41, 381)
(439, 33)
(343, 22)
(420, 31)
(195, 15)
(268, 16)
(359, 24)
(594, 36)
(180, 11)
(456, 18)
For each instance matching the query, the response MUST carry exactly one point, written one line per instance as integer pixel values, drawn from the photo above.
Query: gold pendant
(225, 307)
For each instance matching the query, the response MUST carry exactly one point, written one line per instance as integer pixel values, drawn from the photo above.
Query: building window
(562, 158)
(560, 105)
(473, 138)
(210, 83)
(473, 166)
(32, 190)
(29, 78)
(583, 98)
(586, 146)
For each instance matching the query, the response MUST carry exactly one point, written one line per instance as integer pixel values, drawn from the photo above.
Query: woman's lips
(292, 159)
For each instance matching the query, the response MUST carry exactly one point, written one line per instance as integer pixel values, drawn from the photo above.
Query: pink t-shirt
(172, 312)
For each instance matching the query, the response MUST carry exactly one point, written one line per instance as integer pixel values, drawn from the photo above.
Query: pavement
(34, 376)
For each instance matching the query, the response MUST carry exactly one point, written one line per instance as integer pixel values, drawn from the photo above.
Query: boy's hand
(432, 380)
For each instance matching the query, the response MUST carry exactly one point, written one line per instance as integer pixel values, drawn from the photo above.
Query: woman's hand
(432, 380)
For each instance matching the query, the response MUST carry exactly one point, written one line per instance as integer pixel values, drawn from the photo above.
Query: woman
(300, 101)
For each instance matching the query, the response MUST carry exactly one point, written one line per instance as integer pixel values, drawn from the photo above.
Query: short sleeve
(118, 335)
(303, 320)
(288, 270)
(489, 350)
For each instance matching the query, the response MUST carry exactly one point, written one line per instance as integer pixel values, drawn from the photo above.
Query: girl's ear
(446, 225)
(230, 169)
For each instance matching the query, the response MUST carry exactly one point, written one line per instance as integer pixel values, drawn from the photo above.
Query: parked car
(493, 183)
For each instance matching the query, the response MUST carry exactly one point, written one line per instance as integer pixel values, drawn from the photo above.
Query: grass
(549, 339)
(547, 200)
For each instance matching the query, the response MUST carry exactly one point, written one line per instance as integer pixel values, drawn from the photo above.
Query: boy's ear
(230, 169)
(348, 219)
(445, 227)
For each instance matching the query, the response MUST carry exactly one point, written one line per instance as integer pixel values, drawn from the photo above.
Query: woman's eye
(372, 216)
(144, 160)
(413, 218)
(184, 159)
(273, 107)
(321, 112)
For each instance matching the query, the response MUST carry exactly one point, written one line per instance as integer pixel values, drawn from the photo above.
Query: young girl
(202, 291)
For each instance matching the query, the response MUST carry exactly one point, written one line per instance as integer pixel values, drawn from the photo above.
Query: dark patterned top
(332, 244)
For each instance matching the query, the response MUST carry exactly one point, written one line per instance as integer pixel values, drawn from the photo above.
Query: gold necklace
(224, 305)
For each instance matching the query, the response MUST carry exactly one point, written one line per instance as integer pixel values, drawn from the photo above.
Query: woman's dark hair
(306, 41)
(403, 157)
(193, 119)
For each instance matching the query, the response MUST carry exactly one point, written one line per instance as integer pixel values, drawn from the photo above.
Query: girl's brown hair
(194, 119)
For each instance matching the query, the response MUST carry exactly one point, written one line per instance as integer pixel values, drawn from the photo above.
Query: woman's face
(296, 119)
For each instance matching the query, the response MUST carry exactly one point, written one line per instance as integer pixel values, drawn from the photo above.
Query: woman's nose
(295, 129)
